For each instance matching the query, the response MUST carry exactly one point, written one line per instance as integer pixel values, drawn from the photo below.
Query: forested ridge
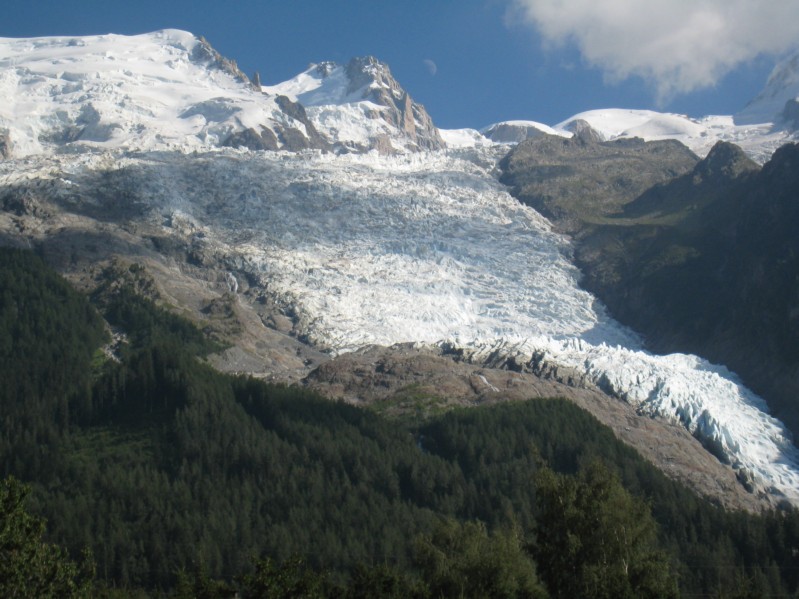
(182, 481)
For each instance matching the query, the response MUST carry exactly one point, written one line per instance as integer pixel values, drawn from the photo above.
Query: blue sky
(471, 62)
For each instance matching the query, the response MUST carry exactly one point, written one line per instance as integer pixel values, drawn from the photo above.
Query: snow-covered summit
(361, 106)
(770, 120)
(167, 89)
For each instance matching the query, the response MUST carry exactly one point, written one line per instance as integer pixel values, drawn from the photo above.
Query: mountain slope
(576, 181)
(707, 264)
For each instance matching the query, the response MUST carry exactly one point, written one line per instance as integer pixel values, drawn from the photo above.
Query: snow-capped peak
(163, 90)
(361, 106)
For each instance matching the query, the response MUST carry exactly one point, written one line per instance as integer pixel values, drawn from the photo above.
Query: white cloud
(431, 66)
(678, 45)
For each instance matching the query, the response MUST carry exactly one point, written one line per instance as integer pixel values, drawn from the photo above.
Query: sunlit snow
(134, 92)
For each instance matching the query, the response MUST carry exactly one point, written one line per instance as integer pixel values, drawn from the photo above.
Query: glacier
(429, 248)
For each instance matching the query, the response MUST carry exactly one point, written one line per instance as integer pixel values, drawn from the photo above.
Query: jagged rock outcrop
(790, 114)
(583, 130)
(373, 81)
(204, 53)
(296, 111)
(361, 107)
(253, 140)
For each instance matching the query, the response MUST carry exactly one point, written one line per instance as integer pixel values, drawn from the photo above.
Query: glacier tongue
(429, 248)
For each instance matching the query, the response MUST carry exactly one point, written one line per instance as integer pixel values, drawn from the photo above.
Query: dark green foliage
(293, 579)
(594, 539)
(29, 567)
(465, 560)
(383, 582)
(48, 334)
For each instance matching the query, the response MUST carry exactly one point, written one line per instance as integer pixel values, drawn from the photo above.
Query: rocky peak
(367, 71)
(324, 69)
(784, 166)
(584, 132)
(372, 80)
(204, 53)
(515, 131)
(725, 160)
(790, 114)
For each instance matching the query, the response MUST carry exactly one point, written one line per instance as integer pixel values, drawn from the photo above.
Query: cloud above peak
(677, 45)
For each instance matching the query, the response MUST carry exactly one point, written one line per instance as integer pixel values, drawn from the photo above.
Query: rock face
(253, 140)
(577, 181)
(583, 130)
(790, 114)
(372, 81)
(708, 264)
(781, 87)
(515, 131)
(296, 111)
(204, 53)
(6, 147)
(361, 107)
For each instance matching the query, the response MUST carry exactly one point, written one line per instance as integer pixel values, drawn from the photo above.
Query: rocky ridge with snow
(422, 247)
(770, 120)
(360, 106)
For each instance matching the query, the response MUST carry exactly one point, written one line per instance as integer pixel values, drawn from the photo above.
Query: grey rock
(252, 140)
(293, 139)
(297, 111)
(6, 145)
(402, 112)
(204, 53)
(790, 115)
(511, 132)
(584, 132)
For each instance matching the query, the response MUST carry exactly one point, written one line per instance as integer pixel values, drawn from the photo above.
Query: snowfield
(152, 91)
